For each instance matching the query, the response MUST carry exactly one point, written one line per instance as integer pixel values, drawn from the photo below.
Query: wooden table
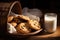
(44, 36)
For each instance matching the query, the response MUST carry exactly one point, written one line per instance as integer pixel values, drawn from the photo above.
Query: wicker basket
(5, 10)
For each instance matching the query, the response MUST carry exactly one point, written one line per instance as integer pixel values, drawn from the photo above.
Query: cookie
(13, 24)
(10, 18)
(16, 19)
(34, 24)
(24, 17)
(22, 28)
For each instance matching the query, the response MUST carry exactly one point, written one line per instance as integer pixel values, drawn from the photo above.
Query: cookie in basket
(10, 18)
(34, 24)
(16, 19)
(22, 28)
(13, 24)
(24, 17)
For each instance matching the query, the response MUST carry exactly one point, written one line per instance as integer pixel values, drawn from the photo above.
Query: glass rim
(51, 14)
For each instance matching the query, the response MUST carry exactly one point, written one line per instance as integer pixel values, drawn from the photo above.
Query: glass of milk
(50, 22)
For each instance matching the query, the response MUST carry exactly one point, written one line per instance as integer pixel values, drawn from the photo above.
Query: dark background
(52, 5)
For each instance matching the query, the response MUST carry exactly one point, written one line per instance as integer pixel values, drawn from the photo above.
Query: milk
(50, 22)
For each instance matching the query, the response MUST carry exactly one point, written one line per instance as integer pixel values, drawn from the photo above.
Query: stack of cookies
(24, 24)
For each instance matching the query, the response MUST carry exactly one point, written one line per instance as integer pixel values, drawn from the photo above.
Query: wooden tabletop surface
(44, 36)
(55, 34)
